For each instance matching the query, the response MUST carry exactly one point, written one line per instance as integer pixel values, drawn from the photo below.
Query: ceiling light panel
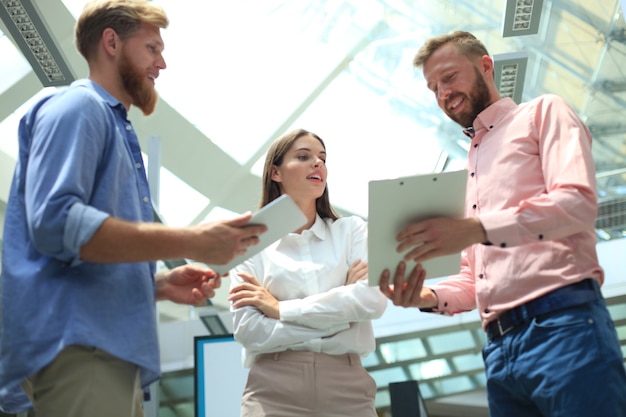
(510, 73)
(29, 33)
(521, 17)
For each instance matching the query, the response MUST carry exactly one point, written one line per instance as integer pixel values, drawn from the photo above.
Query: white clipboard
(396, 203)
(281, 216)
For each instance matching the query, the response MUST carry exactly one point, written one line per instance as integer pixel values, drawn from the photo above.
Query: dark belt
(569, 296)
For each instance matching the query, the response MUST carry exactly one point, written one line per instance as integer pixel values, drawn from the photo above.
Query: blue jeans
(562, 364)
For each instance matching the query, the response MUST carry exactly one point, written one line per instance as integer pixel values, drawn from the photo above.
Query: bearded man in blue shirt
(79, 282)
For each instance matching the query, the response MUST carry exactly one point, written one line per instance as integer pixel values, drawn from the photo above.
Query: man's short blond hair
(465, 42)
(123, 16)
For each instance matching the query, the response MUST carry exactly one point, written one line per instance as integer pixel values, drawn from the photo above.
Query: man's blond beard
(133, 80)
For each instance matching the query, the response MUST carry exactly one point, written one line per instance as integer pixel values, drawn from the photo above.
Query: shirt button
(129, 127)
(540, 237)
(472, 174)
(146, 199)
(503, 245)
(481, 276)
(137, 165)
(445, 304)
(475, 145)
(474, 206)
(490, 127)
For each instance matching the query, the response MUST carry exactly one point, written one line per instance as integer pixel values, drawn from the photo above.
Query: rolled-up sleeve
(67, 141)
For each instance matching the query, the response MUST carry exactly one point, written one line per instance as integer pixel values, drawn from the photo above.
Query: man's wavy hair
(465, 42)
(123, 16)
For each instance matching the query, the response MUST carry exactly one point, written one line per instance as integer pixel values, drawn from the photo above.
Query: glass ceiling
(242, 72)
(341, 69)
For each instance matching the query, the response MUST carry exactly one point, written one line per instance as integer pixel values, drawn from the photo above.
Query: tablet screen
(281, 216)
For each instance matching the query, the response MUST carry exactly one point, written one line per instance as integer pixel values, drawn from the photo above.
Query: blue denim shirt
(79, 162)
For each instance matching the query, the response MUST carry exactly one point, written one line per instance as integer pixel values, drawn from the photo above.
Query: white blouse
(307, 274)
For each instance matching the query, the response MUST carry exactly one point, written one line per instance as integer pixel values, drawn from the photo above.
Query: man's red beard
(478, 100)
(143, 95)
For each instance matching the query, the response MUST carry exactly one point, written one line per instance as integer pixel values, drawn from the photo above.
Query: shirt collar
(469, 132)
(98, 89)
(319, 228)
(491, 116)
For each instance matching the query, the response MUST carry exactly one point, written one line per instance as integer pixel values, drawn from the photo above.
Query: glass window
(430, 369)
(454, 385)
(385, 376)
(469, 362)
(371, 360)
(451, 342)
(618, 311)
(402, 350)
(383, 399)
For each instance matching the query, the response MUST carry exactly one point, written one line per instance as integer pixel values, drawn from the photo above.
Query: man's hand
(219, 242)
(357, 272)
(438, 237)
(409, 292)
(252, 293)
(187, 284)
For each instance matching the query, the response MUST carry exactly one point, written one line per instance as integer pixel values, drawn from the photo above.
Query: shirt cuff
(290, 310)
(431, 309)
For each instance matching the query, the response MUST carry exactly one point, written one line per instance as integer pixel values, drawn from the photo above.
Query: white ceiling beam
(192, 157)
(18, 94)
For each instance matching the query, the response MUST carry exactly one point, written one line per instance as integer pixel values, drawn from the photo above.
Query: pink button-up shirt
(532, 184)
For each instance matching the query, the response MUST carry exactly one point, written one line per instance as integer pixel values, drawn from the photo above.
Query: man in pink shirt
(529, 261)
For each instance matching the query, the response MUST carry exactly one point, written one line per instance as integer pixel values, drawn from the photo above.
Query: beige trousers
(84, 381)
(308, 384)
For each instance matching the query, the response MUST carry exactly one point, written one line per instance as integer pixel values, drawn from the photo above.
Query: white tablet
(281, 216)
(396, 203)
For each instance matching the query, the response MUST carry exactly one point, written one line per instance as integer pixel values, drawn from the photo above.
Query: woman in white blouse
(302, 307)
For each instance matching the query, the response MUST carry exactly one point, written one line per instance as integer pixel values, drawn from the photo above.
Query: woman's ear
(275, 174)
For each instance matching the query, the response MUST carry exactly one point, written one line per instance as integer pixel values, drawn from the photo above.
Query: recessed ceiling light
(521, 17)
(510, 72)
(23, 22)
